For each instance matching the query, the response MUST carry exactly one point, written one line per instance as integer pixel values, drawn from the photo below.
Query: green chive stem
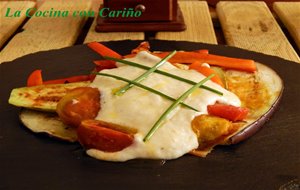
(146, 74)
(174, 105)
(163, 73)
(146, 88)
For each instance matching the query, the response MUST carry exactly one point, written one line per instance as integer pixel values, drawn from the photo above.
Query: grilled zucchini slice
(42, 97)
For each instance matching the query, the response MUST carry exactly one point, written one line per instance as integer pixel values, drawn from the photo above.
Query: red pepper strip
(205, 51)
(35, 78)
(216, 60)
(92, 75)
(103, 50)
(129, 55)
(105, 64)
(164, 54)
(91, 134)
(206, 71)
(102, 64)
(78, 78)
(187, 57)
(144, 46)
(229, 62)
(229, 112)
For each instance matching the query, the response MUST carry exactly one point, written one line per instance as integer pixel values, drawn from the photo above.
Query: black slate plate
(268, 160)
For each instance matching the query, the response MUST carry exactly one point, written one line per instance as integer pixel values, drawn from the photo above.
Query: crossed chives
(173, 106)
(162, 73)
(146, 74)
(146, 88)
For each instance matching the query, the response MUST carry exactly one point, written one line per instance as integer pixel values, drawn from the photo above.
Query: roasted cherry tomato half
(79, 104)
(97, 135)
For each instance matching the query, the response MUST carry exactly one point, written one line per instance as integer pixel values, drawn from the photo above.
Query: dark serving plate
(268, 160)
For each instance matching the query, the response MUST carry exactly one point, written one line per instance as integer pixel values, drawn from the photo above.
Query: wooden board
(44, 33)
(250, 25)
(198, 21)
(10, 24)
(289, 14)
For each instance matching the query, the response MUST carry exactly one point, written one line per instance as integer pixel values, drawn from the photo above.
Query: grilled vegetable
(206, 71)
(229, 112)
(35, 78)
(211, 130)
(42, 97)
(49, 123)
(79, 104)
(101, 136)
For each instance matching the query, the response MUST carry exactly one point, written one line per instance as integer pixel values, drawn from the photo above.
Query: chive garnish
(163, 73)
(146, 74)
(146, 88)
(174, 105)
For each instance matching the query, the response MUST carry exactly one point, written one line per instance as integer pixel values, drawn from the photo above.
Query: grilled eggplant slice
(49, 123)
(42, 97)
(260, 92)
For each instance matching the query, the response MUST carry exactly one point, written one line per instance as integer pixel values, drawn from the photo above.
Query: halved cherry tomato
(229, 112)
(92, 134)
(79, 104)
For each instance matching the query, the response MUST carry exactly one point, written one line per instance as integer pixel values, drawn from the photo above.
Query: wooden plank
(289, 14)
(10, 24)
(198, 21)
(250, 25)
(109, 36)
(45, 33)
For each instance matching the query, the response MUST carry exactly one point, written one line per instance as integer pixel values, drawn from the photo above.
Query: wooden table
(248, 25)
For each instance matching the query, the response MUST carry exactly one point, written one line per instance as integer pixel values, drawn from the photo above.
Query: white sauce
(140, 109)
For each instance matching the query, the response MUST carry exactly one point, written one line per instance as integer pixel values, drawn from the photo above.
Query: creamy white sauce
(140, 109)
